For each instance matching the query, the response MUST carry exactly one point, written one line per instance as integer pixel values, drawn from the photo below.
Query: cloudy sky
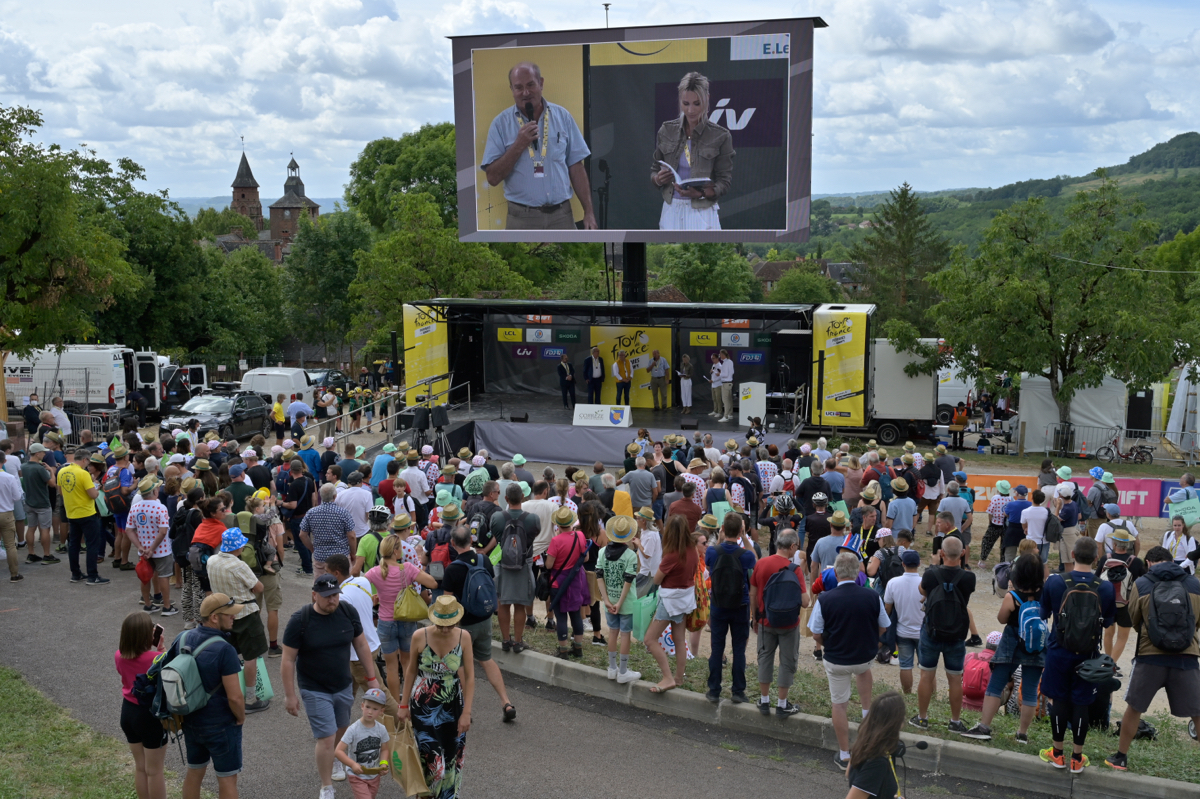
(941, 94)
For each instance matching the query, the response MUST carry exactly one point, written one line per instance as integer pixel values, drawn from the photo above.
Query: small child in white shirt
(363, 745)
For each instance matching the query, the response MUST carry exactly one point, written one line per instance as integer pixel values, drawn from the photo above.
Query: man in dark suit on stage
(593, 373)
(566, 381)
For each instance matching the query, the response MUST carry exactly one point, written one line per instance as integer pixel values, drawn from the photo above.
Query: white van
(91, 375)
(272, 381)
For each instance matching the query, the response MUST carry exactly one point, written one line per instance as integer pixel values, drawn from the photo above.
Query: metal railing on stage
(390, 423)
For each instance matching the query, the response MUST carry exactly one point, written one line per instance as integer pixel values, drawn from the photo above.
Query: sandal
(510, 712)
(658, 689)
(518, 647)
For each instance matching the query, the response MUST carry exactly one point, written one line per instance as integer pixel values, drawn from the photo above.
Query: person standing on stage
(726, 366)
(715, 379)
(593, 374)
(660, 372)
(694, 147)
(685, 383)
(566, 381)
(623, 372)
(538, 152)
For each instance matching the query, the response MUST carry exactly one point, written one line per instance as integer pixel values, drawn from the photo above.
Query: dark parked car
(233, 414)
(331, 379)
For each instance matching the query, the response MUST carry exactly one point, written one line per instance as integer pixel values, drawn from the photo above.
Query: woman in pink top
(141, 642)
(568, 584)
(391, 577)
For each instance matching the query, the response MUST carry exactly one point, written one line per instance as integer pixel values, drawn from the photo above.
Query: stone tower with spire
(288, 209)
(245, 195)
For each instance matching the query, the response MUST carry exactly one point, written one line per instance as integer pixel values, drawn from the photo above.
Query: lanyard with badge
(539, 166)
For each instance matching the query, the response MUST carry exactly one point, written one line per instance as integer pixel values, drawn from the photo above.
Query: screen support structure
(633, 279)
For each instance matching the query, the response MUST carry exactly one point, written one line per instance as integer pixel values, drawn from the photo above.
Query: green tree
(709, 273)
(420, 259)
(58, 262)
(210, 223)
(317, 276)
(805, 284)
(1060, 297)
(421, 161)
(543, 263)
(580, 281)
(1181, 256)
(250, 295)
(899, 253)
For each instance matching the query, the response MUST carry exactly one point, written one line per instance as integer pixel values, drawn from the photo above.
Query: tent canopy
(1103, 406)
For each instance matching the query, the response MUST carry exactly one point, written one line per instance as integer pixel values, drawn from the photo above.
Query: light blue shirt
(901, 511)
(661, 368)
(564, 149)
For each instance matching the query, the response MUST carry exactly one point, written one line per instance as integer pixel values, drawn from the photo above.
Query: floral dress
(437, 704)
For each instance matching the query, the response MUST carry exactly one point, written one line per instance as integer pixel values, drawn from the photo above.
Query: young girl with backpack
(1022, 644)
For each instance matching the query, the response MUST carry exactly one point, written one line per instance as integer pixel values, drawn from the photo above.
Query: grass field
(46, 754)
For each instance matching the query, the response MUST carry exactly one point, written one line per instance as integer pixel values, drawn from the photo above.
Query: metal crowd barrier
(1119, 445)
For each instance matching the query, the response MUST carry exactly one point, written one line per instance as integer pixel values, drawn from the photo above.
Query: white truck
(904, 407)
(99, 377)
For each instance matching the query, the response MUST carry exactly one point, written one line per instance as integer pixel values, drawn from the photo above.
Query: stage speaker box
(404, 420)
(522, 418)
(440, 416)
(420, 418)
(689, 424)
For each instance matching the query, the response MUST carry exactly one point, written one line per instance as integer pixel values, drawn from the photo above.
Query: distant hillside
(192, 205)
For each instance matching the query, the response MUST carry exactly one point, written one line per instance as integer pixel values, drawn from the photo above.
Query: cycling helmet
(819, 498)
(379, 516)
(1097, 670)
(784, 503)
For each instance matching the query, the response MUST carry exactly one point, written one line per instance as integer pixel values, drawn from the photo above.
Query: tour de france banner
(842, 337)
(426, 353)
(639, 341)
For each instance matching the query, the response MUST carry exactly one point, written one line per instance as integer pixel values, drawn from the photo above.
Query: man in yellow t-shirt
(79, 494)
(279, 418)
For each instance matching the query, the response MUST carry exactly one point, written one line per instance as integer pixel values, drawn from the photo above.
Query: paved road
(62, 637)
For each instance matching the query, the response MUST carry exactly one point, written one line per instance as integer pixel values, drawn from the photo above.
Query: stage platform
(549, 436)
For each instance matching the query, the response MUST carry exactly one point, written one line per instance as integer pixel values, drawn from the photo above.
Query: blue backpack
(479, 590)
(782, 598)
(885, 484)
(1030, 626)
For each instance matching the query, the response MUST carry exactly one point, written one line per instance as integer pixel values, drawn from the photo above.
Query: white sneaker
(612, 674)
(587, 625)
(723, 419)
(629, 676)
(714, 413)
(326, 792)
(339, 772)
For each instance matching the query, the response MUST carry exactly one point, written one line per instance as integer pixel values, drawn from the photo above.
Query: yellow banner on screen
(427, 355)
(671, 51)
(842, 337)
(639, 343)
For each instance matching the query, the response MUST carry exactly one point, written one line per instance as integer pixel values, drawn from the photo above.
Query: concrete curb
(950, 758)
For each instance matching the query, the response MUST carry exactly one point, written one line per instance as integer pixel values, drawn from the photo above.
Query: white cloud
(941, 93)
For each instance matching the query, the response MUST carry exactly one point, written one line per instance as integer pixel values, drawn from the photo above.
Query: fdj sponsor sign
(538, 335)
(553, 353)
(508, 334)
(524, 351)
(703, 339)
(565, 336)
(751, 357)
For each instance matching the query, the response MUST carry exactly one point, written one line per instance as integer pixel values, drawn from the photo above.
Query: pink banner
(1139, 497)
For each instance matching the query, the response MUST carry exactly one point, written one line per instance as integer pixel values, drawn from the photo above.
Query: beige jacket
(712, 157)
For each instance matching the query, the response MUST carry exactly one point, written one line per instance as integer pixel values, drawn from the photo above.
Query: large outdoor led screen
(663, 134)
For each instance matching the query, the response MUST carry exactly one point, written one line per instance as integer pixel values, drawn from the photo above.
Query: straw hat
(695, 463)
(645, 513)
(633, 449)
(900, 485)
(401, 523)
(203, 465)
(731, 444)
(446, 611)
(940, 449)
(565, 517)
(871, 491)
(709, 522)
(838, 519)
(619, 529)
(308, 442)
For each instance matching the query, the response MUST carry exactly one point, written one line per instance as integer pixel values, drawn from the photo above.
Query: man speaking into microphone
(537, 150)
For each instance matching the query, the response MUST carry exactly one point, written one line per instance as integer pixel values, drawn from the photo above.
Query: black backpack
(1079, 623)
(1170, 621)
(180, 531)
(728, 582)
(890, 566)
(945, 609)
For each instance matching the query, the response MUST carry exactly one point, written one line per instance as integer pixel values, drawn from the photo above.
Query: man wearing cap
(327, 528)
(149, 535)
(214, 732)
(1114, 522)
(816, 524)
(258, 474)
(786, 639)
(905, 605)
(948, 645)
(79, 494)
(812, 485)
(520, 471)
(229, 574)
(379, 469)
(316, 649)
(122, 471)
(1102, 492)
(240, 489)
(418, 486)
(38, 477)
(298, 424)
(846, 623)
(825, 547)
(960, 511)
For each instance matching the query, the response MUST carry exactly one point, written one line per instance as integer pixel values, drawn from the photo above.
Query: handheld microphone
(529, 111)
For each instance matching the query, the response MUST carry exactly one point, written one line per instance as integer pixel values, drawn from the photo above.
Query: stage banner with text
(426, 353)
(639, 341)
(1137, 497)
(840, 340)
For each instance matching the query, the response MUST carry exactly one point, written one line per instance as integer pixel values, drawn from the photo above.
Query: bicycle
(1138, 453)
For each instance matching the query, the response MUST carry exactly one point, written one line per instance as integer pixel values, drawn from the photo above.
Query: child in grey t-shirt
(363, 744)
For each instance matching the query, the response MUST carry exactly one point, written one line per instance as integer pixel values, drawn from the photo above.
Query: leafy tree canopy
(709, 273)
(421, 161)
(317, 277)
(805, 284)
(210, 223)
